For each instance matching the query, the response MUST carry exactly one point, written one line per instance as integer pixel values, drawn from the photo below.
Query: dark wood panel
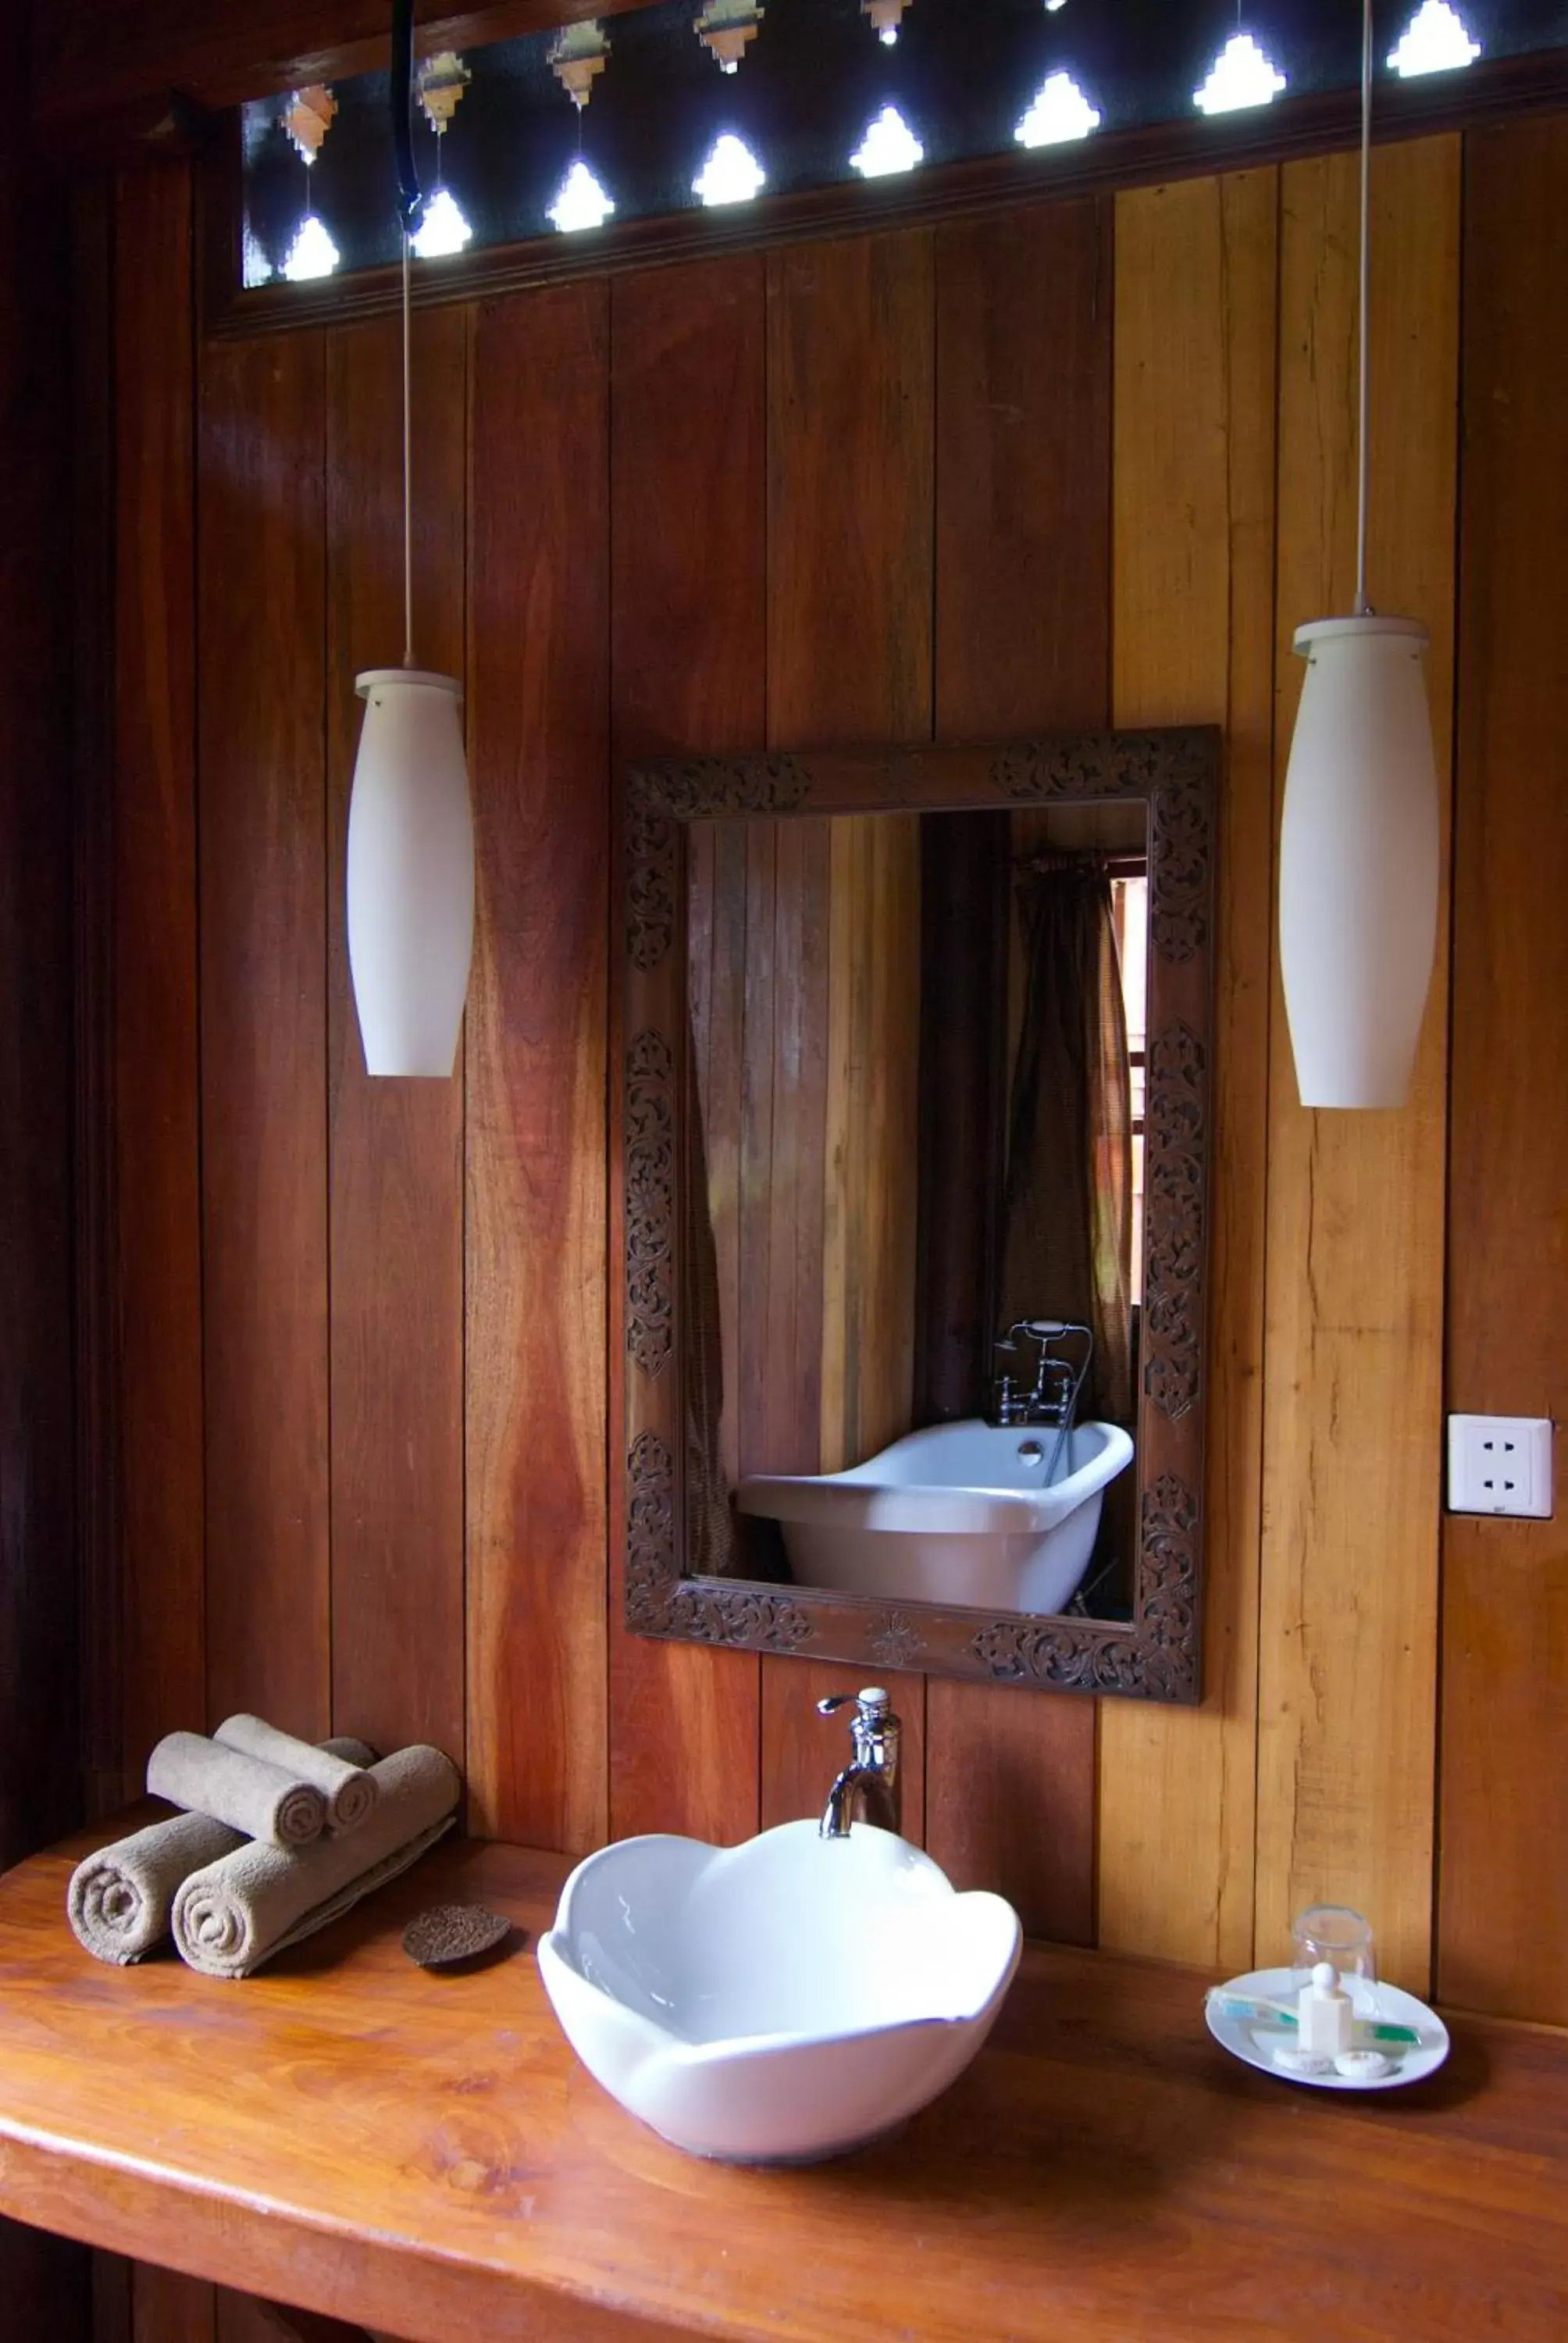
(1502, 1915)
(688, 655)
(111, 2288)
(962, 1076)
(397, 1197)
(44, 2284)
(263, 913)
(94, 1243)
(536, 1130)
(168, 2307)
(156, 1086)
(851, 378)
(38, 1717)
(1022, 640)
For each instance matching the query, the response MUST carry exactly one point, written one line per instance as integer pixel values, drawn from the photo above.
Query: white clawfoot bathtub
(960, 1513)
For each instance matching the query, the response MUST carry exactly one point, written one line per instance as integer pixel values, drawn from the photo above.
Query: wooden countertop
(424, 2154)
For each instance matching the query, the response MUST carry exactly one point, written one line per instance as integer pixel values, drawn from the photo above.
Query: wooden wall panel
(851, 381)
(40, 1786)
(95, 1270)
(396, 1199)
(536, 1137)
(1352, 1406)
(1502, 1925)
(687, 657)
(166, 2307)
(1192, 617)
(263, 914)
(1022, 534)
(786, 434)
(162, 1662)
(868, 1139)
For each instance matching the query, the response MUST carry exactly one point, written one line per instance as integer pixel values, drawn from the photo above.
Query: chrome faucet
(1052, 1397)
(869, 1786)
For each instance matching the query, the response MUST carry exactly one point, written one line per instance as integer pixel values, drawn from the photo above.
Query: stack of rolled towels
(278, 1836)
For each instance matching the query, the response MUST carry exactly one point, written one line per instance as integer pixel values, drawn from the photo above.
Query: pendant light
(410, 825)
(1360, 841)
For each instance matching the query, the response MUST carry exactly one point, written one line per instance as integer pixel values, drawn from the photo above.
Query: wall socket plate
(1500, 1464)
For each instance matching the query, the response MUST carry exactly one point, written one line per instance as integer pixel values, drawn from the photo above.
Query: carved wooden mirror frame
(1155, 1657)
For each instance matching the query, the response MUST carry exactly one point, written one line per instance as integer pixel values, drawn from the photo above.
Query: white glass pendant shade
(410, 872)
(1359, 853)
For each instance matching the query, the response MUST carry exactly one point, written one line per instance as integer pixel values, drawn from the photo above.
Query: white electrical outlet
(1500, 1464)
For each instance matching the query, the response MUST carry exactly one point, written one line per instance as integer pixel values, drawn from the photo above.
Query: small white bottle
(1327, 2015)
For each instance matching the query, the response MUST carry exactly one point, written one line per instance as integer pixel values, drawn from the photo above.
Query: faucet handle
(872, 1703)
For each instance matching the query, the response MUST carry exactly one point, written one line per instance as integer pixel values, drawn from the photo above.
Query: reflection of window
(1129, 914)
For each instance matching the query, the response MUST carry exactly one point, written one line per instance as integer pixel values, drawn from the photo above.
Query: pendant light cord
(408, 208)
(407, 472)
(1363, 452)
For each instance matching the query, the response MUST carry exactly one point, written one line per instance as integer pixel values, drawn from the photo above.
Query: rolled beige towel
(120, 1898)
(246, 1793)
(350, 1791)
(250, 1904)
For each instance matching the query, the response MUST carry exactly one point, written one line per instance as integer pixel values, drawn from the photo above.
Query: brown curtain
(1067, 1222)
(709, 1525)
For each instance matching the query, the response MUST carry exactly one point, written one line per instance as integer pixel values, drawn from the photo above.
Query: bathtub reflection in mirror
(914, 1180)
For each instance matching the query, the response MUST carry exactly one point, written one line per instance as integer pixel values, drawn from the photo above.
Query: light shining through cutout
(442, 229)
(312, 253)
(888, 146)
(1241, 75)
(1061, 112)
(582, 202)
(731, 175)
(1435, 41)
(255, 267)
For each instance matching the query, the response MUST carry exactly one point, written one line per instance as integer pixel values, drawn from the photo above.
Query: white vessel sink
(780, 2001)
(996, 1518)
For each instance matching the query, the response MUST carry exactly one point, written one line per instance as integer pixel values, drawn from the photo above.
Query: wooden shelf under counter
(422, 2154)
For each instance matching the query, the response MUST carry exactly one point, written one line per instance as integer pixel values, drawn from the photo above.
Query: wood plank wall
(804, 959)
(1094, 458)
(46, 716)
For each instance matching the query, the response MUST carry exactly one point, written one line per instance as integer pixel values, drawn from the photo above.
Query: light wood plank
(1196, 272)
(687, 672)
(868, 1140)
(536, 1137)
(851, 473)
(1022, 627)
(263, 817)
(397, 1192)
(1353, 1402)
(1502, 1924)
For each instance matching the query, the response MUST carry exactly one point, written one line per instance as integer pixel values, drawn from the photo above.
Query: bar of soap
(449, 1933)
(1292, 2061)
(1362, 2066)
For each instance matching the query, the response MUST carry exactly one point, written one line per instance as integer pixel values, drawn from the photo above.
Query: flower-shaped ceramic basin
(780, 2001)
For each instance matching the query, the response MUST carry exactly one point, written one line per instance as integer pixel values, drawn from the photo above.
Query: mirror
(915, 1116)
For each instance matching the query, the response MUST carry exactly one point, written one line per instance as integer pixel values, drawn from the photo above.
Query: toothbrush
(1280, 2013)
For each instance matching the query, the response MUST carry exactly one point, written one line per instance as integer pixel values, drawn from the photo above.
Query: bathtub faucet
(1052, 1397)
(869, 1786)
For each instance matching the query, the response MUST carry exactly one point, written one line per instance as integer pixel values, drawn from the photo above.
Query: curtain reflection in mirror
(1067, 1222)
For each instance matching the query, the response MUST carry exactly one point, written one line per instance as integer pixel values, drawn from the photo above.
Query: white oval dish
(1256, 2042)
